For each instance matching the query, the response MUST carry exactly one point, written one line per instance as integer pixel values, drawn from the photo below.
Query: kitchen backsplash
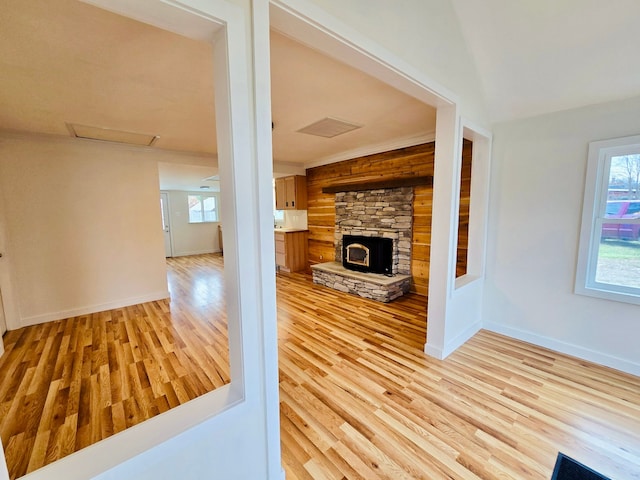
(295, 219)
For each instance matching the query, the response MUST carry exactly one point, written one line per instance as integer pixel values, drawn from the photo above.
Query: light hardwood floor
(65, 385)
(359, 399)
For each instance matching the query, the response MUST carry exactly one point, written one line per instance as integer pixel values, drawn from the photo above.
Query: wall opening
(464, 201)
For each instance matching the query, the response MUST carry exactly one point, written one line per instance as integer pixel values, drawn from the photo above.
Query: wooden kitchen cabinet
(281, 193)
(291, 250)
(291, 193)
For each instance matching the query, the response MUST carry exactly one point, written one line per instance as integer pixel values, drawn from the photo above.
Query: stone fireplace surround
(384, 212)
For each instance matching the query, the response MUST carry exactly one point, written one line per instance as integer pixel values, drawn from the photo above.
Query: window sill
(608, 294)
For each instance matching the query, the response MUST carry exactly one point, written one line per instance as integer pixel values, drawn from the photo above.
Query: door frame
(164, 198)
(240, 419)
(446, 330)
(9, 304)
(3, 322)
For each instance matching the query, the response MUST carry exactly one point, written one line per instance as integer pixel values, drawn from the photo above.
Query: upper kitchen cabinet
(291, 193)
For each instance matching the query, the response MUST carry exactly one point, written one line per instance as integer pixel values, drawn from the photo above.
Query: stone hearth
(368, 285)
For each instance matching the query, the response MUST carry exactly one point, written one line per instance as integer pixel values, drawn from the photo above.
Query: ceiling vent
(109, 135)
(329, 127)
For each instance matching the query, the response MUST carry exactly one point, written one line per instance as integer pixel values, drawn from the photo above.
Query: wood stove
(367, 254)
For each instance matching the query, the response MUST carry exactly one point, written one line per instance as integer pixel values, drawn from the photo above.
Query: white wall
(537, 188)
(233, 458)
(82, 224)
(424, 33)
(190, 238)
(232, 432)
(240, 439)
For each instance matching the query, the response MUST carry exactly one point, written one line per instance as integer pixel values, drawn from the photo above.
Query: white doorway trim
(3, 323)
(217, 431)
(166, 224)
(479, 206)
(310, 25)
(11, 311)
(456, 304)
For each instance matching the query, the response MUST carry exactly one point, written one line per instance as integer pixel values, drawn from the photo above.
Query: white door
(164, 208)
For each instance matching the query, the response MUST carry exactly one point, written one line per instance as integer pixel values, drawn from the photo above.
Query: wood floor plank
(359, 398)
(496, 408)
(67, 384)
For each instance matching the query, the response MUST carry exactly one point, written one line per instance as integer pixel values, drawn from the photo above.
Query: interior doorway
(5, 285)
(166, 225)
(3, 322)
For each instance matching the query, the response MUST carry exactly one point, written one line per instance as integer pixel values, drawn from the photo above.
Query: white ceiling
(540, 56)
(64, 61)
(307, 86)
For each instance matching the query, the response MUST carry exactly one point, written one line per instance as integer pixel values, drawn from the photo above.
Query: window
(202, 208)
(609, 254)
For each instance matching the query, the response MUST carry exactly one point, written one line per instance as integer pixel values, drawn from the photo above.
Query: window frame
(202, 197)
(593, 217)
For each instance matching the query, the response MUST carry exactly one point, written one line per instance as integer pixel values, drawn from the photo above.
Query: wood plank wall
(416, 160)
(463, 214)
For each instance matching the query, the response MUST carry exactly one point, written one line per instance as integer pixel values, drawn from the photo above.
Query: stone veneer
(368, 285)
(386, 212)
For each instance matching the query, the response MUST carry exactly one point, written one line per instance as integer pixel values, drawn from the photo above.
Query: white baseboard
(441, 353)
(74, 312)
(460, 339)
(567, 348)
(433, 351)
(195, 252)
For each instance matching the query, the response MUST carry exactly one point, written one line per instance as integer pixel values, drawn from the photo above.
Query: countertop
(290, 230)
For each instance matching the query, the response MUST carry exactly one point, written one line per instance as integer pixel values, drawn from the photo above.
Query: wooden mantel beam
(379, 184)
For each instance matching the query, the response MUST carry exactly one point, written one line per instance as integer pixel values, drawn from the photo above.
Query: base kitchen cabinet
(291, 250)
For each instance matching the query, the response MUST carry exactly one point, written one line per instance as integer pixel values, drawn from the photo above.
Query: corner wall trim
(460, 339)
(433, 351)
(442, 352)
(567, 348)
